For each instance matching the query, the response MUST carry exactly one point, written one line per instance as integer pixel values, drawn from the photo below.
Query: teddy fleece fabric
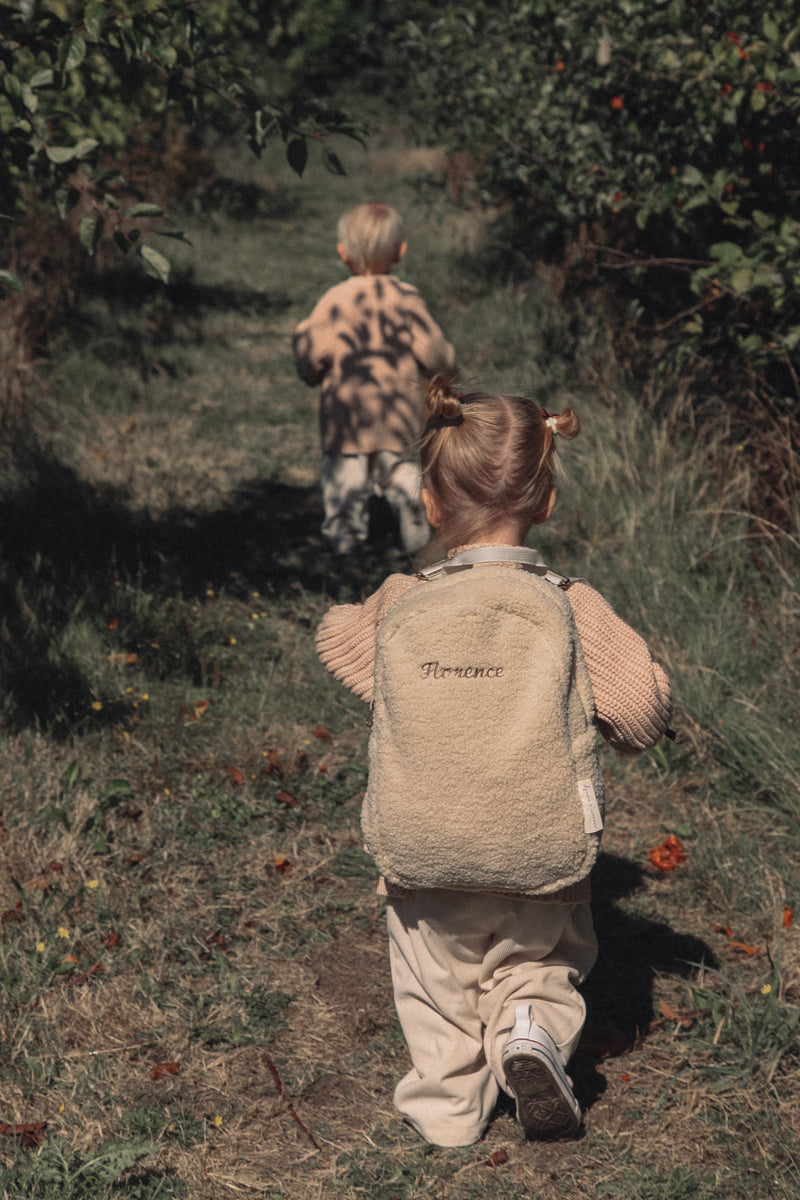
(632, 698)
(367, 342)
(483, 769)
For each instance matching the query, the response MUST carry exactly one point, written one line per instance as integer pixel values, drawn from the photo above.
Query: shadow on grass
(633, 952)
(63, 544)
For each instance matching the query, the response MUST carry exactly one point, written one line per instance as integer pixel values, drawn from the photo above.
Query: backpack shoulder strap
(522, 558)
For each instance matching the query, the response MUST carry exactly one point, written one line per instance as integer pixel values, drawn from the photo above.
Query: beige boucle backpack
(483, 768)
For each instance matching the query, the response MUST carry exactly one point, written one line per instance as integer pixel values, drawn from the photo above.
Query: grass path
(192, 954)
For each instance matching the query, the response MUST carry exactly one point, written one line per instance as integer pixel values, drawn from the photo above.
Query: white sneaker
(534, 1067)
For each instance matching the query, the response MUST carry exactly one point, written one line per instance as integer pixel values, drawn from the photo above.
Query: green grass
(181, 872)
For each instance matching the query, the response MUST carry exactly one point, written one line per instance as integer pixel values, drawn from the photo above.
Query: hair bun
(442, 405)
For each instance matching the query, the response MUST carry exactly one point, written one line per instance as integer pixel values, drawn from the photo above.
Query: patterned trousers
(348, 483)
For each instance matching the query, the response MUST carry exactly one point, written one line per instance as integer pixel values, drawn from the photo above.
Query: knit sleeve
(632, 697)
(345, 640)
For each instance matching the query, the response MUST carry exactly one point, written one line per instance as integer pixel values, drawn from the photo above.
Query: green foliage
(52, 1175)
(78, 78)
(667, 133)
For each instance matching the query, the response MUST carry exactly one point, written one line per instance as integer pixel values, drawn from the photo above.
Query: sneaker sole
(542, 1108)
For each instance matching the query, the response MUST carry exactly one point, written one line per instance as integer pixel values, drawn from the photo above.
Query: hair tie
(442, 422)
(550, 422)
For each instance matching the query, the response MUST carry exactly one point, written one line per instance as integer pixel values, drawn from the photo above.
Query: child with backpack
(488, 676)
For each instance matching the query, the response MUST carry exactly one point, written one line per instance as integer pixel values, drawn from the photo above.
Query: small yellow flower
(232, 641)
(40, 947)
(61, 1108)
(166, 791)
(96, 705)
(217, 1120)
(766, 989)
(63, 932)
(92, 883)
(145, 695)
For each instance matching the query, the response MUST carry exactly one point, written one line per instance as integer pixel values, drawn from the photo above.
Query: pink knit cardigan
(632, 698)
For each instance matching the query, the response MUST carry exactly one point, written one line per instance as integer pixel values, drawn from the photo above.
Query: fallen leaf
(112, 941)
(734, 944)
(495, 1159)
(788, 918)
(273, 766)
(26, 1135)
(322, 733)
(282, 863)
(12, 914)
(669, 855)
(685, 1017)
(603, 1042)
(236, 775)
(200, 707)
(287, 799)
(113, 623)
(161, 1070)
(745, 949)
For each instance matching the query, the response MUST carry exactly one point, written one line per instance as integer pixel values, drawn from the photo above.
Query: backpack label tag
(592, 817)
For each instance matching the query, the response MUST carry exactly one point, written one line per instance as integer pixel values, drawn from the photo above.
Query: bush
(648, 135)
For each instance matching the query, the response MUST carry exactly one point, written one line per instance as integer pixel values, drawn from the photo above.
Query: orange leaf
(112, 941)
(287, 799)
(161, 1070)
(70, 958)
(26, 1135)
(667, 1011)
(498, 1157)
(200, 707)
(726, 929)
(113, 623)
(236, 775)
(748, 950)
(669, 855)
(282, 863)
(788, 918)
(322, 733)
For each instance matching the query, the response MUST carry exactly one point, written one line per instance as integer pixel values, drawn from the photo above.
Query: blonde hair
(488, 460)
(372, 234)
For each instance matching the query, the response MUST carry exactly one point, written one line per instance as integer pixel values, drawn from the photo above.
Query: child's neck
(506, 534)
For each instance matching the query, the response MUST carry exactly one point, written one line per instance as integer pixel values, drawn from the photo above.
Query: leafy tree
(83, 82)
(77, 78)
(647, 133)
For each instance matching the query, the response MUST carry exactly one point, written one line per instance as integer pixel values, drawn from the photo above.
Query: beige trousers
(460, 963)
